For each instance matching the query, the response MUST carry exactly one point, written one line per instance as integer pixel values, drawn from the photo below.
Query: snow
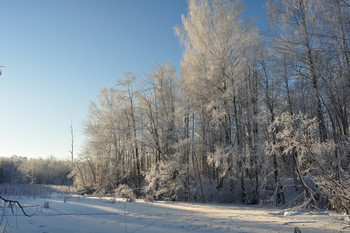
(87, 214)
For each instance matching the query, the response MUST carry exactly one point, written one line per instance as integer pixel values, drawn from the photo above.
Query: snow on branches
(318, 165)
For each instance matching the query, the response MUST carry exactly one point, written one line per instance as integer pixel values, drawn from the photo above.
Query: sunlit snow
(83, 214)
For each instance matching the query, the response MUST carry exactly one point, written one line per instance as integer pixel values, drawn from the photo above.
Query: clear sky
(59, 53)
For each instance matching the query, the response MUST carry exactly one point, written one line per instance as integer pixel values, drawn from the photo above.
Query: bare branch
(14, 203)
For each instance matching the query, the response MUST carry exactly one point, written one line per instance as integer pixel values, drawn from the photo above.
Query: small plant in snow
(46, 205)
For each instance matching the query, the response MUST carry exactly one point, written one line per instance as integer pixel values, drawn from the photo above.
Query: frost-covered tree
(159, 103)
(335, 40)
(112, 154)
(299, 22)
(219, 78)
(214, 40)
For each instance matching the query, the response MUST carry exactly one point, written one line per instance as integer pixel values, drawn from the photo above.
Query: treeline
(21, 170)
(250, 112)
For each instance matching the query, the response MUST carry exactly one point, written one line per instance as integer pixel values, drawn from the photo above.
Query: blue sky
(59, 53)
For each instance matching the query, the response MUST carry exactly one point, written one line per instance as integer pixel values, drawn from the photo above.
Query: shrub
(124, 191)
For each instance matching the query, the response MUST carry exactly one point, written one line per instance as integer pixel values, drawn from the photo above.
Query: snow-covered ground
(103, 215)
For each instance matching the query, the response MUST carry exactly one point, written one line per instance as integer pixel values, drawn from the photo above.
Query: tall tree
(219, 79)
(299, 39)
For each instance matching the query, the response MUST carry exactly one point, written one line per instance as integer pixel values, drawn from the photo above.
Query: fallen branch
(12, 203)
(306, 187)
(342, 196)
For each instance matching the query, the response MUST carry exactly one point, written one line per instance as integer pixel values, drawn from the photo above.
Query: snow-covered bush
(293, 136)
(124, 191)
(166, 180)
(317, 165)
(333, 178)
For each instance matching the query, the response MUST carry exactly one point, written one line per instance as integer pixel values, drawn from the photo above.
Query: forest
(21, 170)
(253, 116)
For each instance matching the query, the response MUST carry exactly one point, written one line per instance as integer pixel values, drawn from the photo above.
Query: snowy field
(83, 214)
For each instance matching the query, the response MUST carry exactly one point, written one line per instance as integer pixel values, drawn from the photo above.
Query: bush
(124, 191)
(166, 181)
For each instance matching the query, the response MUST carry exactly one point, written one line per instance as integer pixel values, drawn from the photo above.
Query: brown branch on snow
(14, 203)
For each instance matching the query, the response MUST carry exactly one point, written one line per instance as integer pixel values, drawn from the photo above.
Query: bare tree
(71, 151)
